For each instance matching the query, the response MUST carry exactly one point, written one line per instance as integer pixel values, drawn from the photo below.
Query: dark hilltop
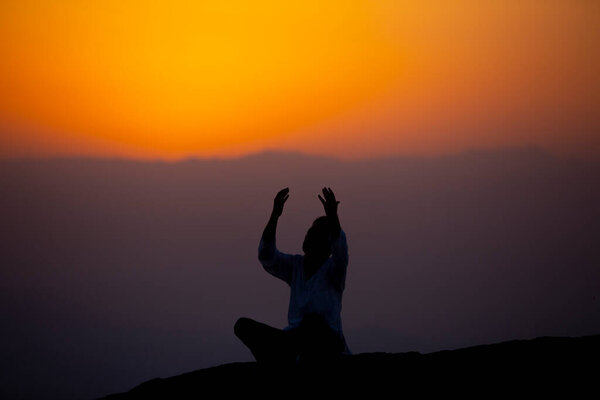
(546, 365)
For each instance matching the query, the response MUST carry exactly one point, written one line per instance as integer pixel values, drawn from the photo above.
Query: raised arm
(339, 247)
(278, 202)
(273, 261)
(330, 204)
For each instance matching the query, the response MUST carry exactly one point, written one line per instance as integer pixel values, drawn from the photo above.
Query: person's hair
(319, 236)
(323, 218)
(324, 221)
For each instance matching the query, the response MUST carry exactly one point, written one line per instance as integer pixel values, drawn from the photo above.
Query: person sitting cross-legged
(316, 280)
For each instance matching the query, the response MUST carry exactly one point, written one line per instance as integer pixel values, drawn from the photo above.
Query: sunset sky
(462, 140)
(351, 79)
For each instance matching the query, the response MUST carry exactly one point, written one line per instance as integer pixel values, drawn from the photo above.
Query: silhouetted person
(316, 283)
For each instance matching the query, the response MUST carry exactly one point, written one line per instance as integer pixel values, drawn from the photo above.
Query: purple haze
(114, 272)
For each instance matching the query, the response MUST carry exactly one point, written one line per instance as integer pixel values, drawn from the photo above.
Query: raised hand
(279, 201)
(330, 204)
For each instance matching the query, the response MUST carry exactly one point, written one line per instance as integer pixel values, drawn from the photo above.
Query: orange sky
(347, 78)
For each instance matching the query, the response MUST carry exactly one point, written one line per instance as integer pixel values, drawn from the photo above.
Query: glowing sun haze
(352, 79)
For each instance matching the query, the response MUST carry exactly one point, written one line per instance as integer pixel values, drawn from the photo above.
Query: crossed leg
(313, 339)
(268, 345)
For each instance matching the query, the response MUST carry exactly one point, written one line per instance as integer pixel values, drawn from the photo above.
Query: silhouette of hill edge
(545, 365)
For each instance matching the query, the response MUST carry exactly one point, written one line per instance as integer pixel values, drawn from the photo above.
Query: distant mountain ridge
(279, 154)
(546, 365)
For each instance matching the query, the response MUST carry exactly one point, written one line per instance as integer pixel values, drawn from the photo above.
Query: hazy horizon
(587, 158)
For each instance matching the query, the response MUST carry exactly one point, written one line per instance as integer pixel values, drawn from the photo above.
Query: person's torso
(316, 294)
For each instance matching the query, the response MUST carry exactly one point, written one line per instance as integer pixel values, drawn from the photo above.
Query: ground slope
(542, 366)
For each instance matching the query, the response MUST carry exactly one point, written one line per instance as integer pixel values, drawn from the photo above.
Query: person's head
(318, 238)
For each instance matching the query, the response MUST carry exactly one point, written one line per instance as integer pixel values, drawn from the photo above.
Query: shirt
(321, 293)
